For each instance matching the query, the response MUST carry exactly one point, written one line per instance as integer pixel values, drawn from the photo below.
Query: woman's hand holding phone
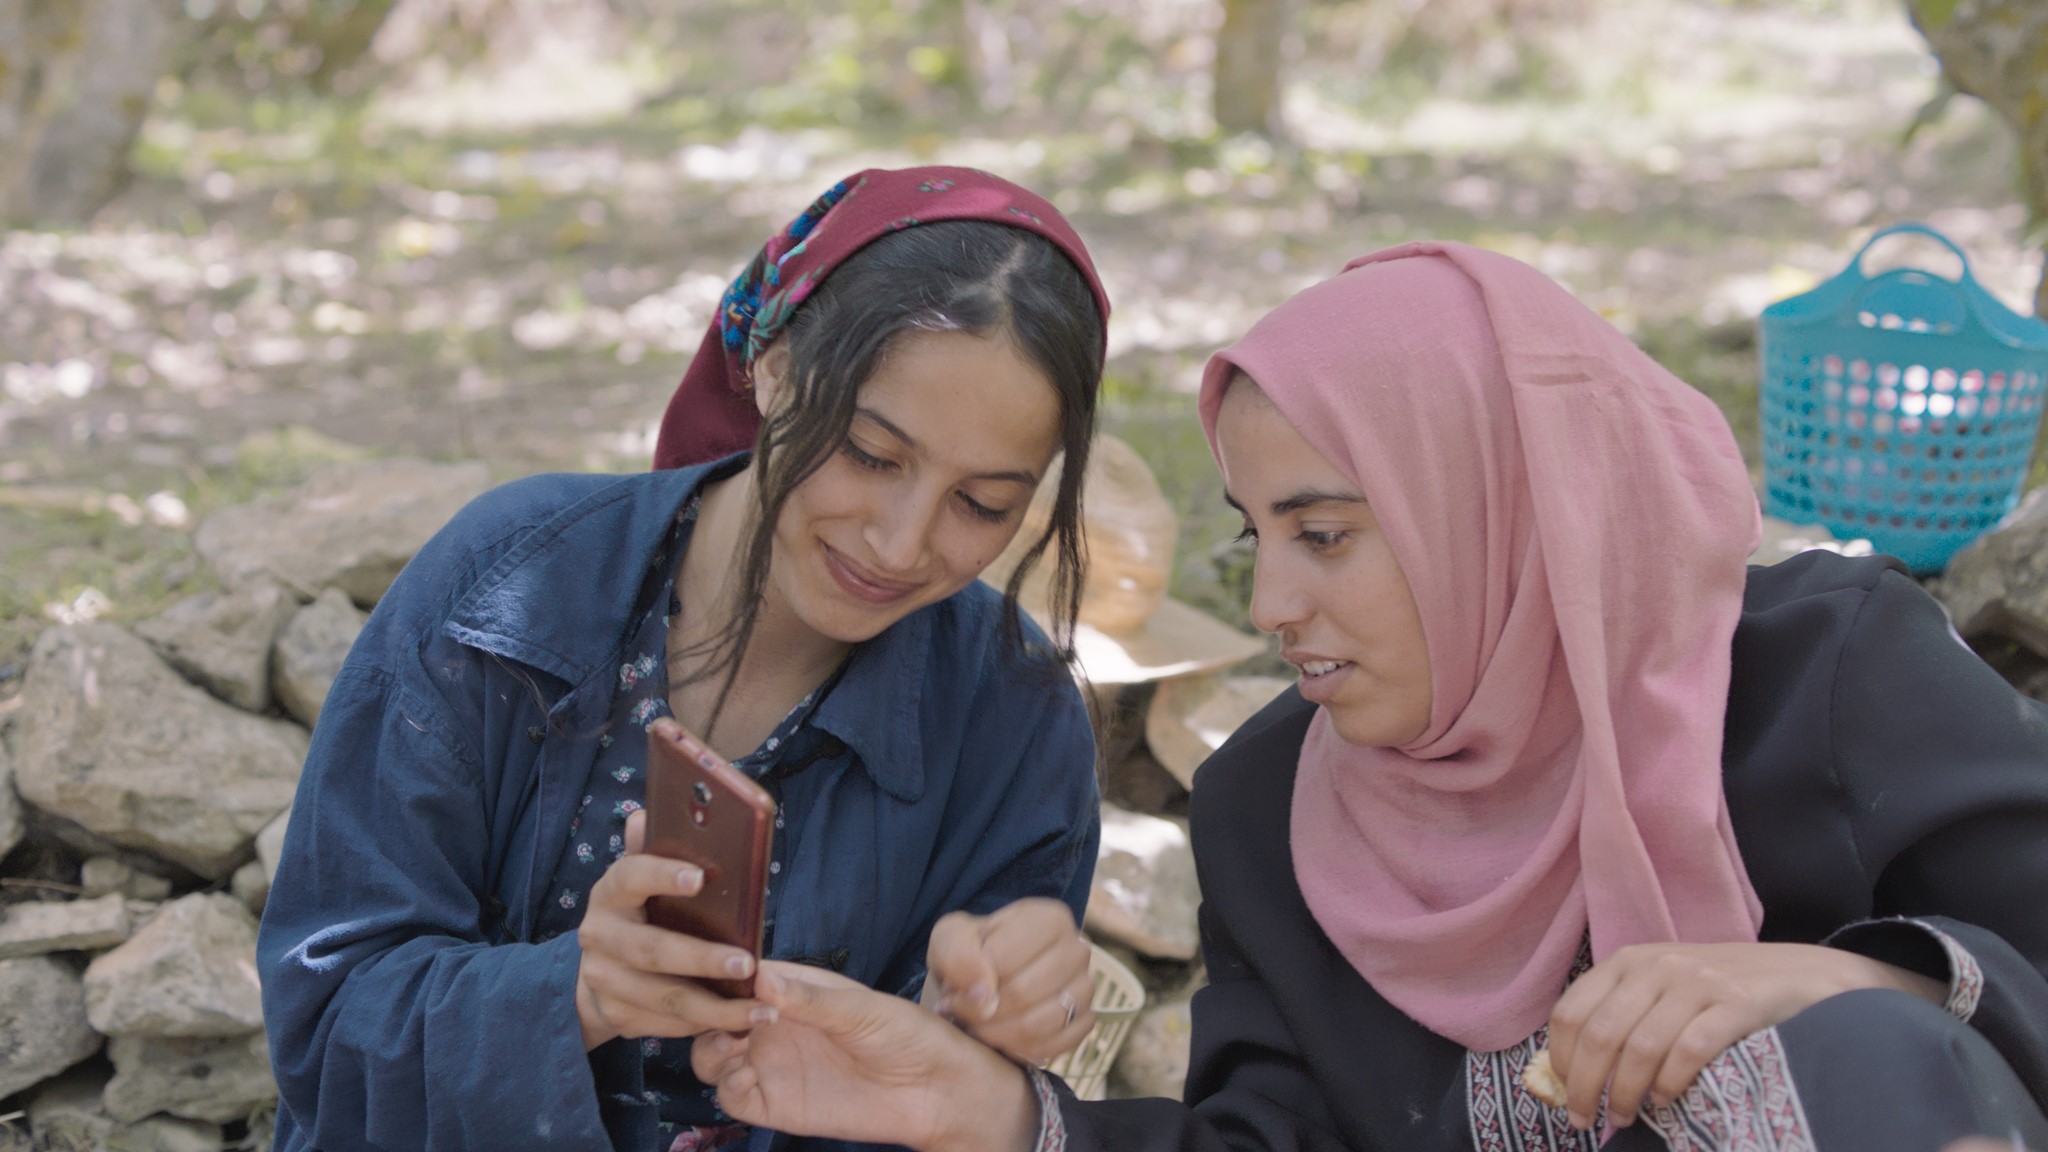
(638, 980)
(1016, 979)
(846, 1062)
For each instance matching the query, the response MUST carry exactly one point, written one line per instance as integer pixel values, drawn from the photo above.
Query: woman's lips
(1320, 679)
(860, 584)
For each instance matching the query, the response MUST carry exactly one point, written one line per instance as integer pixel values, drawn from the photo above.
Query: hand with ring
(1017, 979)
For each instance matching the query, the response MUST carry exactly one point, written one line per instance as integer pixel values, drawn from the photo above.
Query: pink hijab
(1574, 522)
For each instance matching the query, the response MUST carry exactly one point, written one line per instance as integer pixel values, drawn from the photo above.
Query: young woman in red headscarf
(1749, 858)
(456, 953)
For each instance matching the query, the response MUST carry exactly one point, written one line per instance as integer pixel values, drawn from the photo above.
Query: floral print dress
(691, 1120)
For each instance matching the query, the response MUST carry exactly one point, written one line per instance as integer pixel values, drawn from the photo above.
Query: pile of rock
(146, 775)
(1156, 668)
(1996, 592)
(145, 780)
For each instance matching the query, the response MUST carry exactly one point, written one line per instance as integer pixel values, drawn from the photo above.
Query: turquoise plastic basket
(1900, 407)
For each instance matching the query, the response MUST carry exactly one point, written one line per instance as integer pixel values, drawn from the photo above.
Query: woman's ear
(770, 369)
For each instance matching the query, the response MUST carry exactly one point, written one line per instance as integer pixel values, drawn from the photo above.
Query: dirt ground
(283, 287)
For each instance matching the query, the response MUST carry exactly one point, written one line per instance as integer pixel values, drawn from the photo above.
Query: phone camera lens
(702, 792)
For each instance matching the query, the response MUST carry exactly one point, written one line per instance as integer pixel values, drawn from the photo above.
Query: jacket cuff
(1052, 1126)
(1918, 946)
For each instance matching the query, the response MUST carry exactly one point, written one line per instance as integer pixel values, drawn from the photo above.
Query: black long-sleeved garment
(1890, 795)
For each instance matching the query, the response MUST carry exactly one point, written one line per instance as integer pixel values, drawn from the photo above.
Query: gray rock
(1154, 1060)
(1781, 540)
(270, 845)
(1190, 717)
(11, 823)
(199, 1078)
(141, 912)
(66, 1113)
(164, 1134)
(35, 928)
(221, 640)
(251, 886)
(111, 874)
(1145, 893)
(44, 1029)
(351, 526)
(190, 971)
(110, 738)
(1999, 585)
(310, 652)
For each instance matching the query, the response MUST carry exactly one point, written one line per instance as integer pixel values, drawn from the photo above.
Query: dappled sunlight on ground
(406, 281)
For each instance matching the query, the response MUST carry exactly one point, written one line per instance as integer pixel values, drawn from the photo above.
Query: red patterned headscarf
(712, 414)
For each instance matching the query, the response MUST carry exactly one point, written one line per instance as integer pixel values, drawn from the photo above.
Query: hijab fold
(1574, 523)
(712, 412)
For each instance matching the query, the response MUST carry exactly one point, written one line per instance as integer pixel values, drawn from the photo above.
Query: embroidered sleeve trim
(1744, 1101)
(1052, 1126)
(1504, 1116)
(1965, 975)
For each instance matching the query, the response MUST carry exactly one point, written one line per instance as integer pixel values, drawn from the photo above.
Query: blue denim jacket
(407, 1004)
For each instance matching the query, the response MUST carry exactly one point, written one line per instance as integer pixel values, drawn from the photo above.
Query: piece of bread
(1541, 1080)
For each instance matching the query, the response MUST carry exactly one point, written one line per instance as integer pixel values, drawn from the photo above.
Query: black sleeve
(1248, 1088)
(1945, 769)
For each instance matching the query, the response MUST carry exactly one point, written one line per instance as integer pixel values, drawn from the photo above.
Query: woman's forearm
(1879, 974)
(990, 1108)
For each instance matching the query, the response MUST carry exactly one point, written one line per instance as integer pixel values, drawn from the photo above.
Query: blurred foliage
(316, 239)
(1404, 50)
(933, 63)
(255, 46)
(1997, 51)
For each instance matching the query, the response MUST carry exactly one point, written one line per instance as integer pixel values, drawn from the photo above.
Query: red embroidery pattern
(1965, 975)
(1505, 1118)
(725, 1137)
(1052, 1126)
(1744, 1101)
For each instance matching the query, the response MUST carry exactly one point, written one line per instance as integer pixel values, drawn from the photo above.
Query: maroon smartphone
(704, 811)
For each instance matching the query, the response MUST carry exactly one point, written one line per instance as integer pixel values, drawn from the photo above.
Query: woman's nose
(900, 533)
(1277, 603)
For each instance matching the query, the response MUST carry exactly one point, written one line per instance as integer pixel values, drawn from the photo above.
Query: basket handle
(1913, 230)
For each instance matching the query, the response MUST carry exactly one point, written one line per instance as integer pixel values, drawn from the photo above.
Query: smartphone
(704, 811)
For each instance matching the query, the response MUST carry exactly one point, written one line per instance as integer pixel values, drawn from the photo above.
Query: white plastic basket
(1118, 998)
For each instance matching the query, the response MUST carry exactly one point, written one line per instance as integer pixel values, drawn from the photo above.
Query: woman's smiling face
(951, 436)
(1326, 581)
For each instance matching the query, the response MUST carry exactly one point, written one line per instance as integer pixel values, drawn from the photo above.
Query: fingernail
(762, 1015)
(1580, 1122)
(739, 965)
(983, 995)
(689, 879)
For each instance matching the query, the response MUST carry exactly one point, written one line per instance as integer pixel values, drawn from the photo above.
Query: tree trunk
(343, 31)
(76, 79)
(82, 162)
(1997, 51)
(42, 43)
(1248, 66)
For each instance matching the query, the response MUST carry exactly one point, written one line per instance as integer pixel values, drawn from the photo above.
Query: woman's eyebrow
(1019, 476)
(1306, 498)
(1310, 497)
(890, 427)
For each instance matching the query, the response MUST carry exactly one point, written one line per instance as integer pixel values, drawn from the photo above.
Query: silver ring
(1073, 1009)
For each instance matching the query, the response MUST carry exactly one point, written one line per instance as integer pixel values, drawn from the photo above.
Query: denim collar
(559, 600)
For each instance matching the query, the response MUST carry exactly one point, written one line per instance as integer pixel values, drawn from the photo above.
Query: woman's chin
(1365, 726)
(846, 619)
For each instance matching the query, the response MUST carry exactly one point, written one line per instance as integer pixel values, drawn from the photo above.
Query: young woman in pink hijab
(1754, 858)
